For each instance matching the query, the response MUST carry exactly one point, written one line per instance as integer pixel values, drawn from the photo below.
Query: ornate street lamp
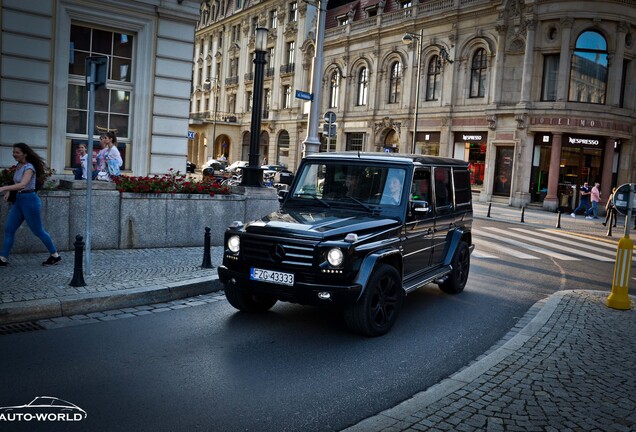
(408, 39)
(253, 173)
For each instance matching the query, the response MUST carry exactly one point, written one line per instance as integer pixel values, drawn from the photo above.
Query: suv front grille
(285, 252)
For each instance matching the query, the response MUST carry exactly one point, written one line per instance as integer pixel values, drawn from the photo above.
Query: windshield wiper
(357, 201)
(312, 196)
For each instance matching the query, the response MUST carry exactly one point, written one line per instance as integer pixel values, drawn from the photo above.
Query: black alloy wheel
(459, 275)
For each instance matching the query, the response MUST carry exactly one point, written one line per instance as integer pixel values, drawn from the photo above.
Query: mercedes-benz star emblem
(278, 253)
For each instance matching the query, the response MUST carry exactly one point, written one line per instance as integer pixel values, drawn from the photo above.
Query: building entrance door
(578, 165)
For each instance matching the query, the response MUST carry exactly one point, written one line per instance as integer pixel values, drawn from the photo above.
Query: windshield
(353, 185)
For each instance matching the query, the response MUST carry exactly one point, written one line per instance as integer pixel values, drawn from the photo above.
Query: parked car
(278, 174)
(213, 167)
(190, 167)
(355, 231)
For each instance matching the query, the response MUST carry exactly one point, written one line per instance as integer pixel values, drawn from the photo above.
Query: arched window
(363, 86)
(478, 74)
(433, 86)
(283, 149)
(395, 82)
(588, 73)
(334, 88)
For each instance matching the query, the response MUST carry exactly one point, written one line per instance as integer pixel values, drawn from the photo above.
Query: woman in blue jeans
(27, 206)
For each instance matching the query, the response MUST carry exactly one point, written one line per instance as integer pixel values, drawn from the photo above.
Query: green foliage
(173, 183)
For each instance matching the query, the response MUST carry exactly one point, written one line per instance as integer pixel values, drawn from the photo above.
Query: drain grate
(8, 329)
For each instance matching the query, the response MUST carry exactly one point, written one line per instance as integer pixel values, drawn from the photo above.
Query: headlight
(335, 257)
(234, 244)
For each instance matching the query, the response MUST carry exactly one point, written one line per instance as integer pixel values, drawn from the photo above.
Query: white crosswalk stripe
(523, 245)
(528, 244)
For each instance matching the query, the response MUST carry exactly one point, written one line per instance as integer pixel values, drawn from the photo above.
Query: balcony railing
(288, 68)
(231, 80)
(249, 76)
(270, 72)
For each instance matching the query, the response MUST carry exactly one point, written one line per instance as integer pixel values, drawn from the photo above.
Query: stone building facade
(538, 95)
(43, 94)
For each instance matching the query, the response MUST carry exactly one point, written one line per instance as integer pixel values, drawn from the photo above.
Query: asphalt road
(295, 368)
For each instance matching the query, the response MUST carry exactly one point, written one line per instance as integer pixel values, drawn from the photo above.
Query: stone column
(551, 201)
(564, 60)
(499, 63)
(615, 64)
(528, 63)
(606, 178)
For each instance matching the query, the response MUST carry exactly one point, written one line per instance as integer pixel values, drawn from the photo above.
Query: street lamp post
(408, 39)
(253, 173)
(312, 142)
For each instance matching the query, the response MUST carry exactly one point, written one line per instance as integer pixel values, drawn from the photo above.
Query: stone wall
(132, 220)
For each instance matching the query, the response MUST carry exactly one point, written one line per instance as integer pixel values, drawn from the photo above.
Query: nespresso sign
(471, 138)
(583, 141)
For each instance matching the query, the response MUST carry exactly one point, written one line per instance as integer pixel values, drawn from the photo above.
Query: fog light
(324, 295)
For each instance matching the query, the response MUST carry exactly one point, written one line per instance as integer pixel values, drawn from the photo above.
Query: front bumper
(300, 292)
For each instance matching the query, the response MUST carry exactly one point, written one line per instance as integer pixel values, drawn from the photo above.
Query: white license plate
(272, 276)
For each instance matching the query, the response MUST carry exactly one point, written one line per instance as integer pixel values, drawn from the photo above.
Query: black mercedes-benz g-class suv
(359, 231)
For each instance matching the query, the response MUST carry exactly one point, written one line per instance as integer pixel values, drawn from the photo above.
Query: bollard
(489, 206)
(558, 225)
(619, 298)
(207, 257)
(523, 211)
(78, 271)
(609, 225)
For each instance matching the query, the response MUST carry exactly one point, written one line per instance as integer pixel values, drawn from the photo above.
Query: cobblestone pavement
(570, 368)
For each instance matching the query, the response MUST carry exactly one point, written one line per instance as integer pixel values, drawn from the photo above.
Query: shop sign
(583, 141)
(471, 138)
(581, 123)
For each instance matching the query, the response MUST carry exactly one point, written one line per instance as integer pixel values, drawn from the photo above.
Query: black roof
(389, 157)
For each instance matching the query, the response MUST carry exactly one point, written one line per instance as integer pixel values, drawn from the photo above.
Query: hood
(319, 224)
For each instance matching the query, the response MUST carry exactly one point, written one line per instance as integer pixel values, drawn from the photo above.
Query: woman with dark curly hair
(29, 176)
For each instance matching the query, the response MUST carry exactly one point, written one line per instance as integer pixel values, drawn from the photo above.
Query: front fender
(369, 263)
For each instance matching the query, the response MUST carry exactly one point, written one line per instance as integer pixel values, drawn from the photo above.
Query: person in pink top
(595, 196)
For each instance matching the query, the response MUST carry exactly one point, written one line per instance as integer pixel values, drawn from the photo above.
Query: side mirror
(282, 194)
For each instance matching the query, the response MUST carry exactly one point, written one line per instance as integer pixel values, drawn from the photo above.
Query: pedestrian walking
(585, 200)
(595, 196)
(27, 207)
(610, 209)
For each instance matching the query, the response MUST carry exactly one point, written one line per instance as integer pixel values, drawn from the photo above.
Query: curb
(392, 416)
(78, 304)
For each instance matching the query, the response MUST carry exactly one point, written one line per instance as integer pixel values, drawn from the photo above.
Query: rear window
(463, 196)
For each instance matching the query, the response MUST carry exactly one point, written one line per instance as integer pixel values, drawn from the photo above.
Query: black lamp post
(253, 173)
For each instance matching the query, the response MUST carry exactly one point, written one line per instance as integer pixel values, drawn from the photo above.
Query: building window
(236, 33)
(293, 11)
(363, 86)
(624, 83)
(588, 73)
(220, 47)
(273, 19)
(334, 88)
(355, 141)
(239, 4)
(406, 5)
(433, 77)
(270, 55)
(287, 96)
(291, 48)
(231, 104)
(267, 99)
(283, 149)
(112, 105)
(550, 77)
(478, 74)
(253, 25)
(343, 20)
(248, 101)
(395, 82)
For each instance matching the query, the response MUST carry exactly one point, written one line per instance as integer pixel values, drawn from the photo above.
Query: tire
(459, 275)
(376, 311)
(247, 302)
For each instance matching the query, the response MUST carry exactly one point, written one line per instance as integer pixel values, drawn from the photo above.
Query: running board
(440, 274)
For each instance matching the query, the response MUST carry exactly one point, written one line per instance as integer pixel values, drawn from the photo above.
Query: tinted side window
(443, 187)
(463, 196)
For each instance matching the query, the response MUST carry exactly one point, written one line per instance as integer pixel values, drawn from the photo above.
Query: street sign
(330, 117)
(190, 135)
(329, 130)
(303, 95)
(101, 69)
(621, 198)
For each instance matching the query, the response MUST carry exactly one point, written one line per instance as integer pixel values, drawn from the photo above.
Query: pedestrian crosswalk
(534, 244)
